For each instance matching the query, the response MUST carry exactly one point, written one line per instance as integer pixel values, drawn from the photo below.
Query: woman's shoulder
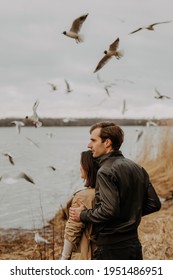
(84, 191)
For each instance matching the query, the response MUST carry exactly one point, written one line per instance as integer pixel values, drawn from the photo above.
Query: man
(123, 194)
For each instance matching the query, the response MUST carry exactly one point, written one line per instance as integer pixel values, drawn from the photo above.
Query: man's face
(97, 147)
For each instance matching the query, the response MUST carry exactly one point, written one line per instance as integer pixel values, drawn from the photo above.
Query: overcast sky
(34, 52)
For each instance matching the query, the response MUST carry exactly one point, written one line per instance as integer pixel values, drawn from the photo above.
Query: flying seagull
(140, 133)
(149, 27)
(68, 89)
(11, 160)
(124, 108)
(33, 142)
(53, 86)
(107, 90)
(160, 96)
(34, 118)
(75, 29)
(52, 167)
(12, 180)
(18, 125)
(109, 54)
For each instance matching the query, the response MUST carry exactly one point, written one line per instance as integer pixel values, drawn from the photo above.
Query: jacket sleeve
(73, 229)
(152, 201)
(108, 206)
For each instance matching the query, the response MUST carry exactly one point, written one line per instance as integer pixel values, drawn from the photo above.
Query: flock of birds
(113, 50)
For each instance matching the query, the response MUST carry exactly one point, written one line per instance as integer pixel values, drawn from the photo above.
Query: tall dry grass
(160, 166)
(156, 230)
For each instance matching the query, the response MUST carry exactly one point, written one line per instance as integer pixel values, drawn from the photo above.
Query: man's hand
(75, 212)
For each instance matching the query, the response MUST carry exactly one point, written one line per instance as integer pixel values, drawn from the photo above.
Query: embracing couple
(104, 216)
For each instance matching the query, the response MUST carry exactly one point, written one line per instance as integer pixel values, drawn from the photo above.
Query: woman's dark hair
(90, 166)
(110, 131)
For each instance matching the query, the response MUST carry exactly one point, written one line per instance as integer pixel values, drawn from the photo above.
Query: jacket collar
(104, 157)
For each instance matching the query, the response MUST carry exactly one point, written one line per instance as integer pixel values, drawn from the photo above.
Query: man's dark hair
(110, 130)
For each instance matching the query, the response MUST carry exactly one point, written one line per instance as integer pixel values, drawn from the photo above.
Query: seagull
(52, 167)
(12, 180)
(160, 96)
(53, 86)
(34, 118)
(9, 157)
(75, 29)
(40, 239)
(68, 89)
(139, 135)
(108, 54)
(151, 123)
(33, 142)
(149, 27)
(18, 125)
(124, 109)
(106, 89)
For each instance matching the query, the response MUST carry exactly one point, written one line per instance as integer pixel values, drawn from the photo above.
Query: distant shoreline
(86, 121)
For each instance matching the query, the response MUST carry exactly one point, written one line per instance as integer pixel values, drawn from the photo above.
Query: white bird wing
(114, 45)
(159, 23)
(136, 30)
(102, 62)
(77, 24)
(35, 106)
(18, 126)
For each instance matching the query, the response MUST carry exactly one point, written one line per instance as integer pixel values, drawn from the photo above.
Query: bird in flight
(33, 142)
(140, 133)
(124, 108)
(160, 96)
(75, 29)
(68, 89)
(52, 167)
(18, 125)
(11, 160)
(53, 86)
(113, 51)
(34, 118)
(149, 27)
(7, 179)
(106, 87)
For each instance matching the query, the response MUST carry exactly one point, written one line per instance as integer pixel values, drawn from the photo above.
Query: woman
(77, 243)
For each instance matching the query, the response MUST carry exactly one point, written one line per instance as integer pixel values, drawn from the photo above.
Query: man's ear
(108, 143)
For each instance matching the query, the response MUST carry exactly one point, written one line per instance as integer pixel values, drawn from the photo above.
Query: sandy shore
(155, 232)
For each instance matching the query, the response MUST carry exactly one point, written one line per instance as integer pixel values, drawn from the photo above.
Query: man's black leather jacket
(124, 194)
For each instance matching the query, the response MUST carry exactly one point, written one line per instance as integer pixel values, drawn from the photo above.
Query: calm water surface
(31, 206)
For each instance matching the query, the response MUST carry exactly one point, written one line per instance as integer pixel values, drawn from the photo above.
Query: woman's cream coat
(78, 233)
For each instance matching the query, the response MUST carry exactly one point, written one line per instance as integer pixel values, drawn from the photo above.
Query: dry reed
(156, 230)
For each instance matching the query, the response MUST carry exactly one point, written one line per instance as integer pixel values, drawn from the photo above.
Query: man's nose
(89, 145)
